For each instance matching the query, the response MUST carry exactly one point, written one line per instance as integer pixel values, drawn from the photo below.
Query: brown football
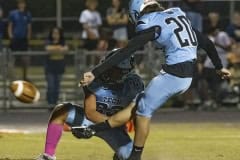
(25, 91)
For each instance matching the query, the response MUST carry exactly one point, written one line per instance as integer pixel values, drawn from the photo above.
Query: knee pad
(58, 110)
(75, 115)
(61, 106)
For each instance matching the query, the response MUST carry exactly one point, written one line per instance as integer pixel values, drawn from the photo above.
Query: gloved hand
(83, 132)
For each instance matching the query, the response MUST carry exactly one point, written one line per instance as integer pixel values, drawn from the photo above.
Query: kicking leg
(141, 133)
(156, 94)
(122, 116)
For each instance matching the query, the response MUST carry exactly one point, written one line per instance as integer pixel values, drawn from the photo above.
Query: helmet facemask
(134, 10)
(133, 17)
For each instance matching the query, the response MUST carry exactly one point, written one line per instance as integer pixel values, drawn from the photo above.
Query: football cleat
(45, 157)
(83, 132)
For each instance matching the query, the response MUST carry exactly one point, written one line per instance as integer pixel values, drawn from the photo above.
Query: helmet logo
(136, 14)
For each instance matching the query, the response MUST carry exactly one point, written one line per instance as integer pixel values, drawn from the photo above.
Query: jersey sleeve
(205, 43)
(134, 44)
(177, 9)
(83, 17)
(145, 23)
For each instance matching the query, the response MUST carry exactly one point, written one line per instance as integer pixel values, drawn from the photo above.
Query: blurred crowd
(104, 33)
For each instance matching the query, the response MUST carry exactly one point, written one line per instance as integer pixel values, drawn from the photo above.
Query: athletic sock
(101, 126)
(136, 153)
(54, 133)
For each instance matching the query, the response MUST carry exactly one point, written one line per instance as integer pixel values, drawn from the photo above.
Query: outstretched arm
(90, 107)
(116, 120)
(205, 43)
(134, 44)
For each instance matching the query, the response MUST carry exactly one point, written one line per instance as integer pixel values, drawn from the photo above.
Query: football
(25, 91)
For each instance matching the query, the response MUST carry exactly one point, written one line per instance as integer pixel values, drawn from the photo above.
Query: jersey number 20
(183, 25)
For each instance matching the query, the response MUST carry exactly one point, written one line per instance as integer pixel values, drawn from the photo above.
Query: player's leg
(62, 113)
(122, 116)
(118, 119)
(55, 128)
(160, 89)
(119, 140)
(54, 131)
(123, 152)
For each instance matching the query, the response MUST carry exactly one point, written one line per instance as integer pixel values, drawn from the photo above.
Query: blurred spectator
(2, 27)
(91, 20)
(223, 44)
(233, 29)
(19, 32)
(106, 41)
(192, 96)
(55, 63)
(117, 19)
(212, 23)
(193, 9)
(234, 60)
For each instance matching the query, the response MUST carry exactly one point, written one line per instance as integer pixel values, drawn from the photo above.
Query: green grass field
(167, 141)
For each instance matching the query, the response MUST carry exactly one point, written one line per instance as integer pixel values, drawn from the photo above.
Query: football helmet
(117, 73)
(137, 6)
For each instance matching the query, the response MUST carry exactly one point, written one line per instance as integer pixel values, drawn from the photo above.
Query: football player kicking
(168, 29)
(108, 94)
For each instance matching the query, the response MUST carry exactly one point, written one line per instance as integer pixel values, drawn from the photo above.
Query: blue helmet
(137, 6)
(134, 10)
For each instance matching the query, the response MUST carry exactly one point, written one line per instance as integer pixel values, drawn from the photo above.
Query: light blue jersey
(112, 98)
(179, 42)
(177, 37)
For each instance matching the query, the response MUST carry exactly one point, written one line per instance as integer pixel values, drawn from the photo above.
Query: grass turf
(167, 141)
